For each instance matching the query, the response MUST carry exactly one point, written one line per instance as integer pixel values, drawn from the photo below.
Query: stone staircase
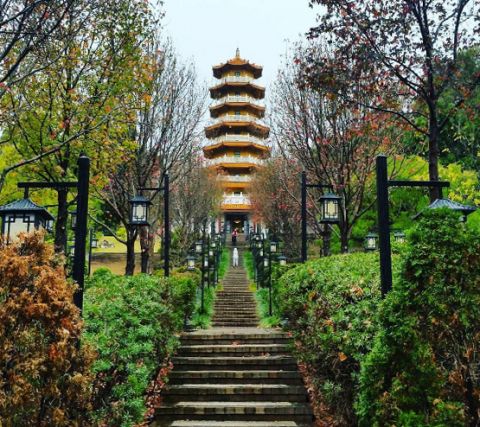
(234, 374)
(235, 304)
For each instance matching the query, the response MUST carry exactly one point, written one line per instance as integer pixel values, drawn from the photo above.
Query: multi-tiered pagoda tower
(236, 138)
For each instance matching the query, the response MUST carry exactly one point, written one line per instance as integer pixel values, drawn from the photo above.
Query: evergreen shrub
(133, 322)
(423, 369)
(330, 304)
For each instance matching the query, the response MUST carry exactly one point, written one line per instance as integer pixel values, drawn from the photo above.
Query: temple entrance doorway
(237, 221)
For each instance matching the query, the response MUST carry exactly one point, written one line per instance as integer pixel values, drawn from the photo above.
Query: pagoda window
(237, 73)
(237, 113)
(237, 154)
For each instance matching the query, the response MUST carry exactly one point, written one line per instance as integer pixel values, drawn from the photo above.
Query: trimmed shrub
(45, 377)
(423, 369)
(330, 304)
(134, 323)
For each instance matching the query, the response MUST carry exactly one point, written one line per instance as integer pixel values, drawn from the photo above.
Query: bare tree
(335, 142)
(196, 198)
(166, 138)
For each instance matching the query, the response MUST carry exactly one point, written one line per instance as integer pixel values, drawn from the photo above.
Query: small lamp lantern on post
(273, 246)
(191, 262)
(23, 216)
(139, 212)
(73, 220)
(371, 241)
(399, 237)
(282, 260)
(94, 242)
(199, 247)
(71, 251)
(330, 208)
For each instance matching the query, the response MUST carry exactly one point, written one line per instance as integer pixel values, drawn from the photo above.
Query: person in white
(235, 257)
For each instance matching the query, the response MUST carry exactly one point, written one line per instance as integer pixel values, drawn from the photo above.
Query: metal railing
(240, 138)
(234, 178)
(237, 98)
(235, 159)
(236, 200)
(240, 118)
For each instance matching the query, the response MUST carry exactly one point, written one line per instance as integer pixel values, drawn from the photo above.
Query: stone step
(229, 341)
(200, 423)
(238, 335)
(222, 363)
(235, 411)
(232, 350)
(233, 324)
(235, 393)
(235, 377)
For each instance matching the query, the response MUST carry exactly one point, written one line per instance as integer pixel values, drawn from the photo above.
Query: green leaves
(132, 322)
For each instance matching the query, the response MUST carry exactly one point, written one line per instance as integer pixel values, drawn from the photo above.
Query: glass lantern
(273, 246)
(73, 220)
(371, 241)
(139, 211)
(190, 262)
(282, 260)
(399, 237)
(330, 208)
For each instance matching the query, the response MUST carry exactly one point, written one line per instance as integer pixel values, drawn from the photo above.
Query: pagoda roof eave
(217, 109)
(261, 130)
(209, 149)
(236, 64)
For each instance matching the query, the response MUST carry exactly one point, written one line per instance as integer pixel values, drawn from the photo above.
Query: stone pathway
(234, 374)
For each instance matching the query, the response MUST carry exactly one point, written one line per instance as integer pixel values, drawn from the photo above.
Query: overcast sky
(209, 31)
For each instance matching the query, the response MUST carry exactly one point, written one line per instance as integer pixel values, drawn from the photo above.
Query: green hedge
(330, 304)
(424, 369)
(133, 323)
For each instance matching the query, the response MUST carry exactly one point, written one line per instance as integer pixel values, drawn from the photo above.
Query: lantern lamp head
(139, 211)
(199, 247)
(273, 246)
(73, 220)
(190, 262)
(371, 242)
(399, 237)
(205, 262)
(94, 242)
(23, 216)
(265, 262)
(330, 208)
(282, 259)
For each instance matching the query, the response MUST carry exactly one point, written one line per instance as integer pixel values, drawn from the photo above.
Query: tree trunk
(61, 231)
(433, 154)
(344, 240)
(145, 249)
(130, 264)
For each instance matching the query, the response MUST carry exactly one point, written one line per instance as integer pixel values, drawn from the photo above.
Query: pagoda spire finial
(237, 53)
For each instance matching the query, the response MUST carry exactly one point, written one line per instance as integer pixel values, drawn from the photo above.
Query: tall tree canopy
(405, 53)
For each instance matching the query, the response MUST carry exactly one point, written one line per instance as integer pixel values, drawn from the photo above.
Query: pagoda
(236, 138)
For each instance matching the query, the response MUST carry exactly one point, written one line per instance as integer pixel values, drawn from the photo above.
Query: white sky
(209, 31)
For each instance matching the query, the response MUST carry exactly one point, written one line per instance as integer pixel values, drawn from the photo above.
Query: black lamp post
(139, 215)
(93, 245)
(383, 183)
(27, 216)
(329, 208)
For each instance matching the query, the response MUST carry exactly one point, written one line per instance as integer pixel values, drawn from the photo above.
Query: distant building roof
(25, 205)
(450, 204)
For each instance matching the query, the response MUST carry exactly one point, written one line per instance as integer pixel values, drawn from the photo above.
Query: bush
(133, 322)
(423, 369)
(45, 377)
(329, 304)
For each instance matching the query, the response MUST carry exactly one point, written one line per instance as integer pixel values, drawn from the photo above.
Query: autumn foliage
(44, 372)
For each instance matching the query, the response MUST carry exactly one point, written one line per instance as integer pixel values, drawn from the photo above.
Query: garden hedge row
(133, 322)
(411, 359)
